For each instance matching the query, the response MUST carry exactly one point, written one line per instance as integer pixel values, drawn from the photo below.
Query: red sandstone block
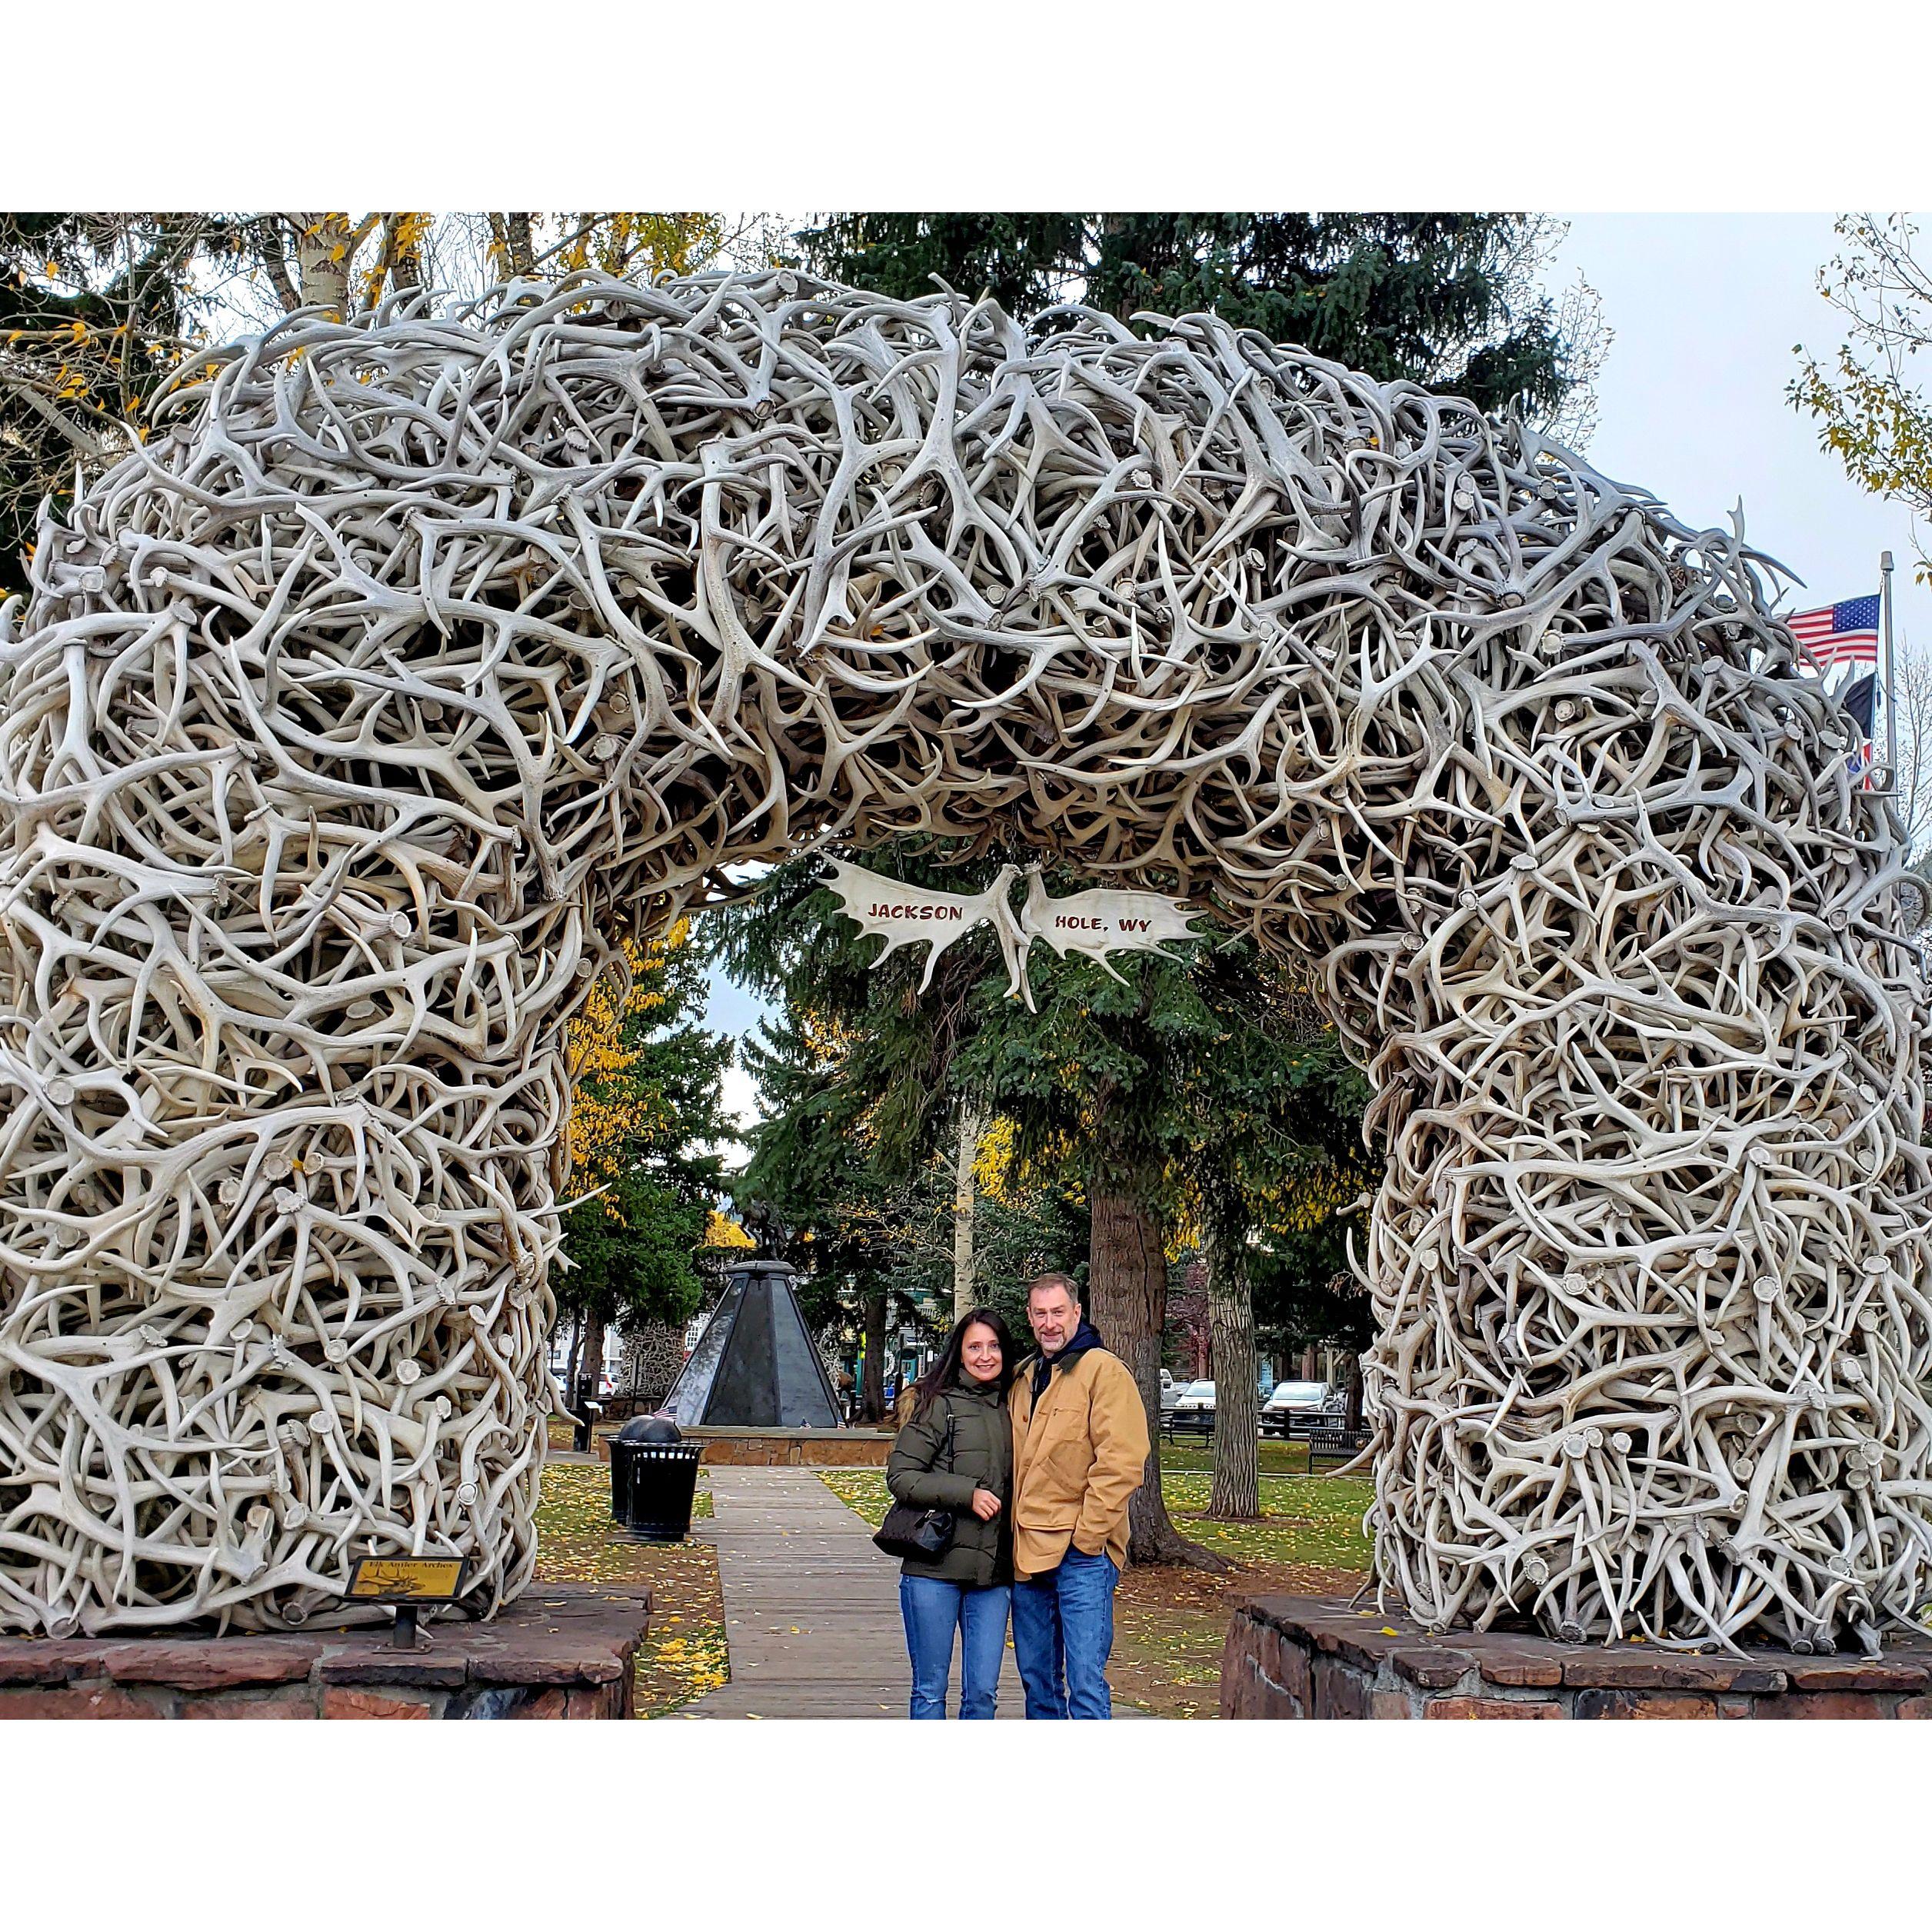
(523, 1663)
(1824, 1704)
(1363, 1648)
(1643, 1704)
(210, 1663)
(1296, 1676)
(1488, 1707)
(370, 1664)
(1265, 1647)
(284, 1704)
(1859, 1674)
(1339, 1691)
(1433, 1669)
(1661, 1671)
(597, 1701)
(1389, 1704)
(1915, 1707)
(339, 1701)
(30, 1660)
(1523, 1671)
(88, 1699)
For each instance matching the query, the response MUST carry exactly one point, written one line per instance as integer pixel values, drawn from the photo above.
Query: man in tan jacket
(1080, 1448)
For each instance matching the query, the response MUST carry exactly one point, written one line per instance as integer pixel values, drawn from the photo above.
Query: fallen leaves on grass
(684, 1654)
(861, 1490)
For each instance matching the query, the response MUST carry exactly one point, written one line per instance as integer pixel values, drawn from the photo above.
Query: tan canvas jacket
(1076, 1462)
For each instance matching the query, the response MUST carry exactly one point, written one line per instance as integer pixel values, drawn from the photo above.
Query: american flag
(1845, 633)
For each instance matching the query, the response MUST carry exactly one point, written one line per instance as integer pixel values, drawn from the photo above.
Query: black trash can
(663, 1481)
(639, 1429)
(621, 1453)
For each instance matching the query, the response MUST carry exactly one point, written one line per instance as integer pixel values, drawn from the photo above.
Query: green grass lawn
(1277, 1458)
(1313, 1520)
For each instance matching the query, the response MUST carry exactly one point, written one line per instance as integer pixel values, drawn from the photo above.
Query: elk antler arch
(350, 715)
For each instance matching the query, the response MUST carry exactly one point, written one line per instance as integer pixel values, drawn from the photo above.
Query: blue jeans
(933, 1610)
(1063, 1633)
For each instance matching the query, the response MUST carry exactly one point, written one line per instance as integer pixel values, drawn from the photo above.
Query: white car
(1291, 1401)
(1194, 1407)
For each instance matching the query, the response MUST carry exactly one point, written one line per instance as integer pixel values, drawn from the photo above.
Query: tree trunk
(570, 1367)
(1128, 1297)
(1352, 1415)
(871, 1393)
(523, 248)
(593, 1368)
(972, 1122)
(324, 250)
(1310, 1364)
(1237, 1490)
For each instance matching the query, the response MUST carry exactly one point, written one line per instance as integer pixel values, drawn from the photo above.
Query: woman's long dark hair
(950, 1367)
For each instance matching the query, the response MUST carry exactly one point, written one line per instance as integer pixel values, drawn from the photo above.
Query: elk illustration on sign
(1094, 923)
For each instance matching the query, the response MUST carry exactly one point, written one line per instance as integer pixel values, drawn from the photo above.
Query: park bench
(1192, 1422)
(1330, 1436)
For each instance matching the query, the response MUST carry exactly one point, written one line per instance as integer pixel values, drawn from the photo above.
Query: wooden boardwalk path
(811, 1608)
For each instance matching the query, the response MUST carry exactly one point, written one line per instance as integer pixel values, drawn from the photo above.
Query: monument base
(1315, 1657)
(561, 1651)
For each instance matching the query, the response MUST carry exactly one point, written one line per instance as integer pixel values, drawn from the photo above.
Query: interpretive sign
(408, 1583)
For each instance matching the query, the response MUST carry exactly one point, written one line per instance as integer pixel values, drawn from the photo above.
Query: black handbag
(922, 1535)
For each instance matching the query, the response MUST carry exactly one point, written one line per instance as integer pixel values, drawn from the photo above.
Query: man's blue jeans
(933, 1610)
(1063, 1632)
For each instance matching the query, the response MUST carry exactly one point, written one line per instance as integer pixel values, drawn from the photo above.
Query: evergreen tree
(1122, 1081)
(95, 312)
(1450, 300)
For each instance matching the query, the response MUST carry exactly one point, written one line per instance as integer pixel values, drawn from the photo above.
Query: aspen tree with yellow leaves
(97, 311)
(645, 1172)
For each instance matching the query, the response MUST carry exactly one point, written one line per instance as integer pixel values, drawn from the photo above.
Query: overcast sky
(1691, 404)
(1706, 309)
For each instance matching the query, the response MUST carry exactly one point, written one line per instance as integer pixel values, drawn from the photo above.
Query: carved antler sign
(1094, 922)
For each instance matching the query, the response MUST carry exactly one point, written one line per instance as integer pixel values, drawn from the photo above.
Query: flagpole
(1891, 703)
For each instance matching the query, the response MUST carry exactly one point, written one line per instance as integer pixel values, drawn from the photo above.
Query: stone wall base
(785, 1448)
(559, 1651)
(1314, 1656)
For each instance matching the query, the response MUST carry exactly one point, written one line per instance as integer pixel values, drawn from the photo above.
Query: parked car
(1295, 1401)
(1170, 1391)
(1193, 1408)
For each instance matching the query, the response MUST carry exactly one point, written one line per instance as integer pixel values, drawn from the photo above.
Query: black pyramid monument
(755, 1366)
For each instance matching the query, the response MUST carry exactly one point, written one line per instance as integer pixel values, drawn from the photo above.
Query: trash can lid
(650, 1428)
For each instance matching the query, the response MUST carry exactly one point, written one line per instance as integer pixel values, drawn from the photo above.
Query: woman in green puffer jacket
(956, 1453)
